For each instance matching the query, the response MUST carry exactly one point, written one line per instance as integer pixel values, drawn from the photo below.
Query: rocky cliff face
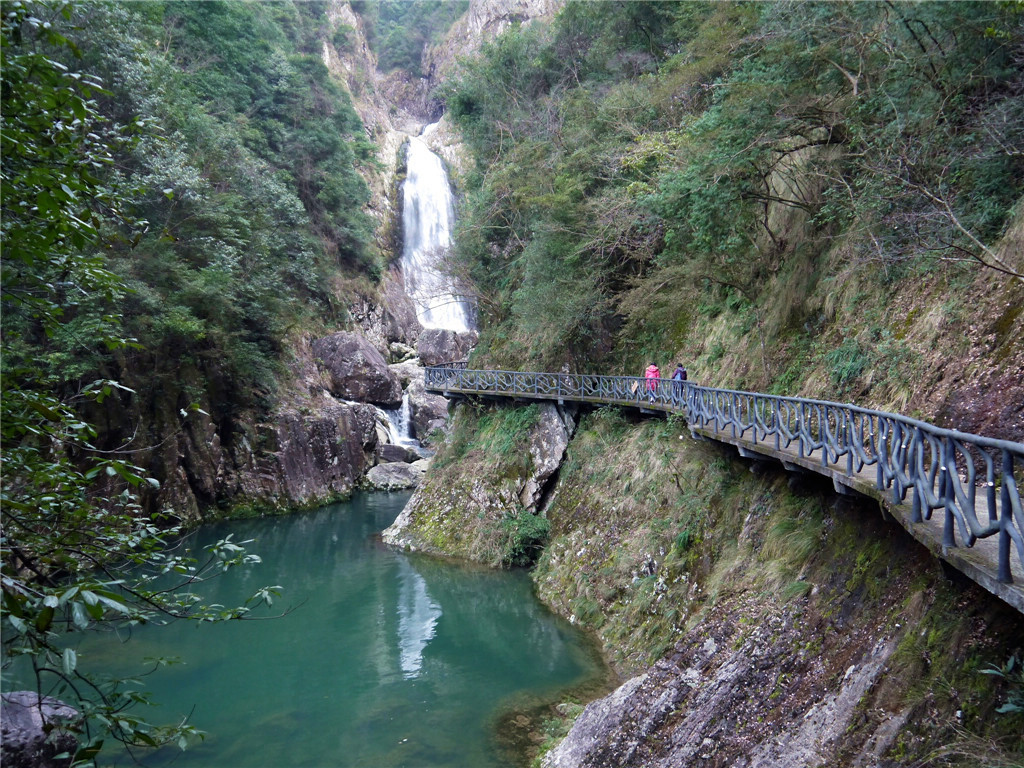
(469, 502)
(310, 449)
(482, 22)
(395, 106)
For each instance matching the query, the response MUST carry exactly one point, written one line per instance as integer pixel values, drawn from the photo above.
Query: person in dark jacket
(678, 377)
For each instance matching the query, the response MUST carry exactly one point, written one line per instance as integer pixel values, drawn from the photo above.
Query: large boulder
(407, 371)
(356, 370)
(319, 456)
(397, 476)
(389, 452)
(429, 411)
(35, 730)
(437, 345)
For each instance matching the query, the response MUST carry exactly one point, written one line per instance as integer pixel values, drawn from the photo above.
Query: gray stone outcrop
(323, 455)
(548, 441)
(429, 411)
(305, 455)
(397, 476)
(35, 729)
(490, 497)
(694, 708)
(483, 21)
(355, 370)
(390, 452)
(438, 345)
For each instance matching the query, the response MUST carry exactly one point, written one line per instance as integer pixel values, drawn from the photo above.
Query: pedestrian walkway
(956, 493)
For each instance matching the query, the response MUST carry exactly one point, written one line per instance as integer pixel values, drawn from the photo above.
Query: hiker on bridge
(678, 377)
(652, 374)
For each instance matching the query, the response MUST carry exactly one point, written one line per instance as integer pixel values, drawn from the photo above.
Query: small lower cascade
(428, 215)
(399, 422)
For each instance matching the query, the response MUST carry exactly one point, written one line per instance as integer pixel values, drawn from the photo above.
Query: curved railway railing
(973, 480)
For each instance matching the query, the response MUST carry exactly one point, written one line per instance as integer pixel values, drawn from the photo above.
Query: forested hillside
(814, 198)
(800, 198)
(789, 197)
(183, 204)
(213, 169)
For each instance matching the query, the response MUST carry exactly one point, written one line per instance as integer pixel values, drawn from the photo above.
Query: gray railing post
(946, 485)
(1005, 520)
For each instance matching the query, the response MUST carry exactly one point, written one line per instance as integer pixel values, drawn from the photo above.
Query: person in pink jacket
(652, 374)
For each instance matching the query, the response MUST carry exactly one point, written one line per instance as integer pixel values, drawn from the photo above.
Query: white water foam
(428, 215)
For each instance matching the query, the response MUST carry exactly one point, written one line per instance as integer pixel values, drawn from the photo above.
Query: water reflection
(417, 619)
(364, 671)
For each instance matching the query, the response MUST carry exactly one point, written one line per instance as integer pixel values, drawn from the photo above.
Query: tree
(76, 553)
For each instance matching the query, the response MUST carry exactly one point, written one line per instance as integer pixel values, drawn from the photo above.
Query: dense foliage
(645, 167)
(253, 198)
(399, 30)
(180, 188)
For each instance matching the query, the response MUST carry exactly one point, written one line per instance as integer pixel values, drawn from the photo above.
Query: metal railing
(965, 476)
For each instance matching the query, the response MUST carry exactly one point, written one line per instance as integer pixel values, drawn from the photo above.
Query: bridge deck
(979, 562)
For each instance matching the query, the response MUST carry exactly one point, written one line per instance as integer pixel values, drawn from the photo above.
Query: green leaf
(45, 619)
(88, 753)
(45, 202)
(69, 660)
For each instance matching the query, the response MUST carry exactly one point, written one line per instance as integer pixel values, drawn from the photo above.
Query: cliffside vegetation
(804, 198)
(753, 610)
(399, 31)
(791, 197)
(181, 191)
(659, 542)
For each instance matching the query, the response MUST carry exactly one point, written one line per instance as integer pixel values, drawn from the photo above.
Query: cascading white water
(400, 422)
(427, 217)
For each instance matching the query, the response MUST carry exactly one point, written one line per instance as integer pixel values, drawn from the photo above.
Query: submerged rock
(35, 730)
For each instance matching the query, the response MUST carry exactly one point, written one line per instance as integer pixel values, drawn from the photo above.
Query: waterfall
(399, 421)
(427, 217)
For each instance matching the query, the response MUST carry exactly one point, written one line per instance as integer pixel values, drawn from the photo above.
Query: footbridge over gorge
(956, 493)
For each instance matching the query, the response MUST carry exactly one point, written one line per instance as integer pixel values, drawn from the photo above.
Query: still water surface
(387, 659)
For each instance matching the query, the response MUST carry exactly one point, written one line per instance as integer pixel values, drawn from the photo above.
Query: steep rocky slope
(757, 619)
